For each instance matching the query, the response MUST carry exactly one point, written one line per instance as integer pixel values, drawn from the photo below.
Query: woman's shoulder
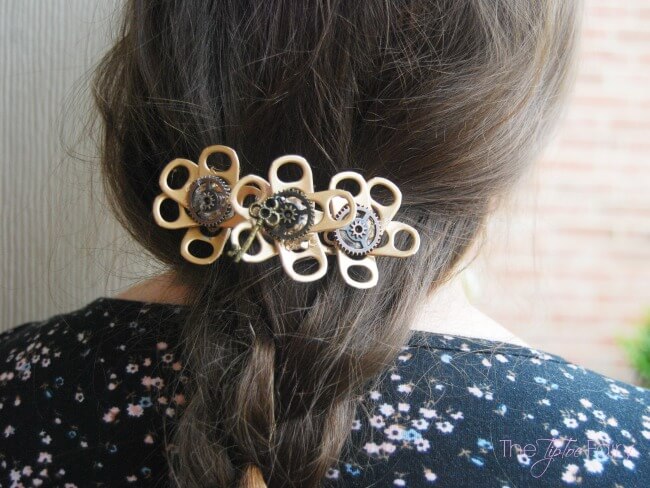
(473, 412)
(84, 396)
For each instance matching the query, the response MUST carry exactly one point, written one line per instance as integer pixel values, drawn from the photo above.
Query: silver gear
(360, 236)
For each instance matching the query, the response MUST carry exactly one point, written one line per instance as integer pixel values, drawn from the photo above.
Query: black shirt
(85, 397)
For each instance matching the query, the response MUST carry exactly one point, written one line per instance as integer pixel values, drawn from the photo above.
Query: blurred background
(567, 261)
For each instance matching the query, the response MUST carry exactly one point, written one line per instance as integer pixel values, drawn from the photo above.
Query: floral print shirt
(86, 397)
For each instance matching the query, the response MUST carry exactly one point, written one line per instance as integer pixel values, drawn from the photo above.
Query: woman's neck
(447, 311)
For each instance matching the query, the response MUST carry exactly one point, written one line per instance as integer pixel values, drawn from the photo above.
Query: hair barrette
(284, 217)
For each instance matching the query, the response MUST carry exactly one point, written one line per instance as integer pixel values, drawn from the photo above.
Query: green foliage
(638, 350)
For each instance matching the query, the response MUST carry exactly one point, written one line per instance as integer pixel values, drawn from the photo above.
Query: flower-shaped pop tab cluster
(372, 232)
(203, 203)
(284, 220)
(266, 218)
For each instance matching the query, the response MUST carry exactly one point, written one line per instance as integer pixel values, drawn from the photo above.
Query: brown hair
(447, 98)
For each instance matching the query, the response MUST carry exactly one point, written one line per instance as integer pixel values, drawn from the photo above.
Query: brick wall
(568, 261)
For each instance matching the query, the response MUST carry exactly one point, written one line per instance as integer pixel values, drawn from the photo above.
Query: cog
(209, 201)
(360, 236)
(286, 215)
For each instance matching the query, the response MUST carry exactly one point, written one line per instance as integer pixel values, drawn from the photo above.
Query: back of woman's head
(448, 99)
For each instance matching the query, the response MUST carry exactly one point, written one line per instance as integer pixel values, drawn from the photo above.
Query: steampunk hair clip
(285, 217)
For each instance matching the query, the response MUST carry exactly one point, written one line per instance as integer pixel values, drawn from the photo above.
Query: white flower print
(599, 414)
(405, 388)
(631, 451)
(387, 447)
(387, 410)
(571, 423)
(403, 407)
(394, 432)
(585, 403)
(569, 474)
(474, 390)
(430, 475)
(422, 445)
(600, 437)
(420, 424)
(593, 466)
(332, 474)
(444, 427)
(428, 413)
(377, 421)
(372, 448)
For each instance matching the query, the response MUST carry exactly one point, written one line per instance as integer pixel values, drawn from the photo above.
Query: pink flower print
(111, 415)
(161, 346)
(134, 410)
(44, 457)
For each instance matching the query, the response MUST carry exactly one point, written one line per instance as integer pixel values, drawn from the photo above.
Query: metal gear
(286, 215)
(209, 201)
(361, 235)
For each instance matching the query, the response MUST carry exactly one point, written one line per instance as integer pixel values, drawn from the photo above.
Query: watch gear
(287, 214)
(209, 201)
(361, 235)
